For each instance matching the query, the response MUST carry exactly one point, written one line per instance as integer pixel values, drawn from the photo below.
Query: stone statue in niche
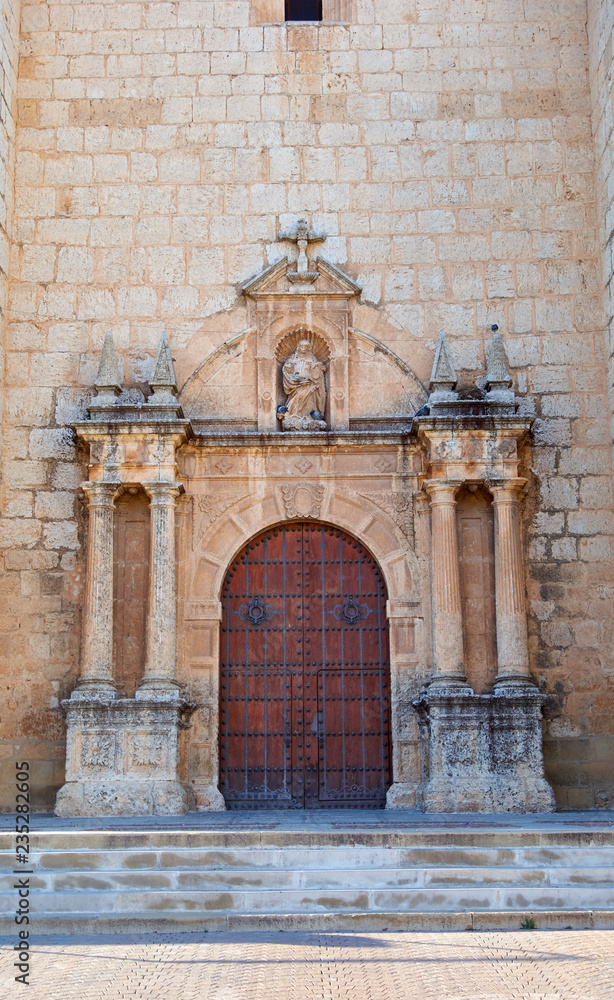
(304, 380)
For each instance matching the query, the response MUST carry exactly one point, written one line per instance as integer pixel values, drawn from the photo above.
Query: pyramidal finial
(443, 376)
(497, 365)
(108, 383)
(163, 381)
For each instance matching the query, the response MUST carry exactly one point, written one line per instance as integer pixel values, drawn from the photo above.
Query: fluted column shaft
(447, 609)
(512, 636)
(97, 651)
(160, 650)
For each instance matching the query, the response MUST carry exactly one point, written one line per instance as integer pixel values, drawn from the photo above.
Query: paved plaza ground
(523, 965)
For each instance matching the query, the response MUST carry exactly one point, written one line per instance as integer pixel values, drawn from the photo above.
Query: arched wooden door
(305, 674)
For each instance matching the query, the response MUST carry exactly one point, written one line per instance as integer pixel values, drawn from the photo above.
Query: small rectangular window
(303, 10)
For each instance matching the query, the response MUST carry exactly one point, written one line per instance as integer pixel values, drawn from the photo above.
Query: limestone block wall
(601, 34)
(446, 149)
(9, 46)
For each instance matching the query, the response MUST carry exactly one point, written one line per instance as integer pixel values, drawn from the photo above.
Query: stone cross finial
(108, 383)
(163, 381)
(303, 236)
(497, 372)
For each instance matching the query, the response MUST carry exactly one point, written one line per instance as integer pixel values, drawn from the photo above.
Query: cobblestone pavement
(530, 965)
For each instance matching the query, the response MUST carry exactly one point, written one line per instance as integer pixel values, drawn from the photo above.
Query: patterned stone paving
(529, 965)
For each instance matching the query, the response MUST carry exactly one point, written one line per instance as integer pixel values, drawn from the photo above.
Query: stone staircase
(340, 876)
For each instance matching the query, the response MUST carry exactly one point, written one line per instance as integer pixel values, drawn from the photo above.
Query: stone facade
(446, 151)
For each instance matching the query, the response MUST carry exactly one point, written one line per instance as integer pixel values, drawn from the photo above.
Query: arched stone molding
(223, 386)
(237, 384)
(381, 383)
(215, 551)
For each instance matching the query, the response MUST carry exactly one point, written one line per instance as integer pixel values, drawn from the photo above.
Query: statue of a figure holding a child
(304, 379)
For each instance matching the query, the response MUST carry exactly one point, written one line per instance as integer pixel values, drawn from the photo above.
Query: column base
(208, 798)
(94, 690)
(122, 798)
(405, 795)
(159, 689)
(513, 683)
(454, 683)
(122, 757)
(485, 751)
(489, 794)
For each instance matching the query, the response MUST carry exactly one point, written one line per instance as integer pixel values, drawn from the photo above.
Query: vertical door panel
(258, 655)
(345, 602)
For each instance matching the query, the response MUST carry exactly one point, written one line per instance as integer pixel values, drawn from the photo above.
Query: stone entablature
(396, 492)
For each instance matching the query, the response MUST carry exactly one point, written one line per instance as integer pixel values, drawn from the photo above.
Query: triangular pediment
(276, 280)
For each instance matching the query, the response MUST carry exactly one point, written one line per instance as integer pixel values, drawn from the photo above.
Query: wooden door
(305, 676)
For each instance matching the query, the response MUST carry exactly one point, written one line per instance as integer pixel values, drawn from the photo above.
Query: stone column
(160, 649)
(447, 611)
(97, 654)
(512, 637)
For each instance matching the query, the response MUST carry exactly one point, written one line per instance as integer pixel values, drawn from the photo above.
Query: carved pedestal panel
(485, 752)
(122, 759)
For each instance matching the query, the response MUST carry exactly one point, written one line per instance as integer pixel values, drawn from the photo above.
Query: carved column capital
(100, 494)
(506, 490)
(163, 494)
(442, 491)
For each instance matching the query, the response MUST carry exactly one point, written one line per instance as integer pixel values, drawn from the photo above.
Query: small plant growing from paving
(528, 924)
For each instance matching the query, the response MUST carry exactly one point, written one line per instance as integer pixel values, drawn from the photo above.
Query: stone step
(163, 921)
(312, 877)
(343, 899)
(222, 880)
(274, 859)
(483, 838)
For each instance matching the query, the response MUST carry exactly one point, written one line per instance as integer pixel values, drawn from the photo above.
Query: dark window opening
(303, 10)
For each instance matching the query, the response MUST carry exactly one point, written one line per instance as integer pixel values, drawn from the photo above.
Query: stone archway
(304, 673)
(217, 546)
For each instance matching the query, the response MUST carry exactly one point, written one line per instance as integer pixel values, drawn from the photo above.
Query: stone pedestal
(485, 752)
(122, 757)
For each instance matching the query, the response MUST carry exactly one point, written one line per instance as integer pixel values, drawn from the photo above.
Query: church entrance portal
(305, 674)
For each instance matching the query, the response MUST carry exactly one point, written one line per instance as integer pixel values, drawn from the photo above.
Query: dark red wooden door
(305, 675)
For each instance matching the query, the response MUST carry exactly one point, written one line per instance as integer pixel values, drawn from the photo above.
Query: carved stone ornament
(98, 750)
(303, 236)
(206, 509)
(399, 506)
(304, 381)
(302, 499)
(147, 750)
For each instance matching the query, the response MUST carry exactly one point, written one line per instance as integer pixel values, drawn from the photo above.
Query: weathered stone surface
(456, 188)
(122, 759)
